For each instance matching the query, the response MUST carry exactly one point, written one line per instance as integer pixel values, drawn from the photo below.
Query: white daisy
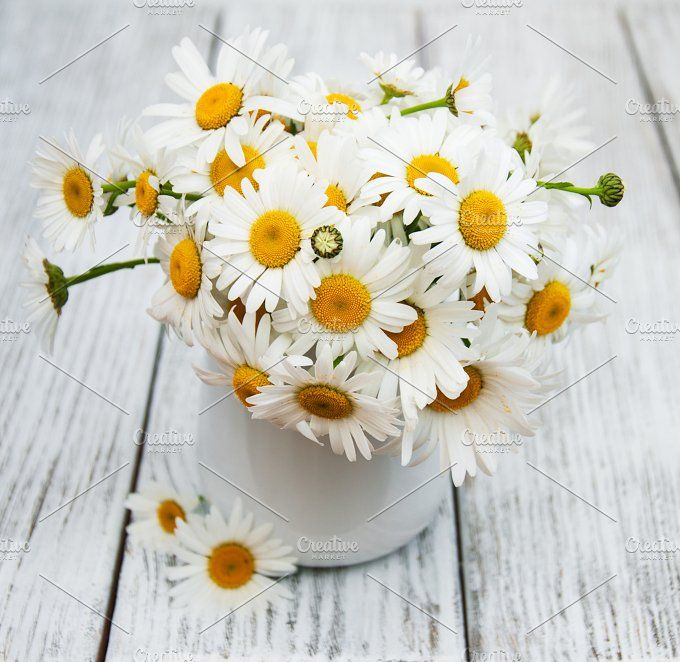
(263, 236)
(151, 169)
(264, 144)
(157, 509)
(398, 80)
(328, 401)
(557, 301)
(412, 148)
(328, 104)
(466, 85)
(358, 298)
(335, 161)
(216, 104)
(186, 302)
(429, 353)
(71, 202)
(605, 251)
(552, 127)
(245, 352)
(224, 564)
(499, 394)
(483, 222)
(47, 293)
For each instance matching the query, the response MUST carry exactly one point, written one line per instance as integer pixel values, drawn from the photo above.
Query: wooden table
(534, 564)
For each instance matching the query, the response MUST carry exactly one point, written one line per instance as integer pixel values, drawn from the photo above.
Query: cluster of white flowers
(385, 265)
(220, 564)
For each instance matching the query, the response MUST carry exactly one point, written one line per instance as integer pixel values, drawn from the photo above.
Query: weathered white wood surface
(530, 548)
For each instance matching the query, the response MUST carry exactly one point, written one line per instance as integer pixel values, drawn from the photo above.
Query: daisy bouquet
(384, 266)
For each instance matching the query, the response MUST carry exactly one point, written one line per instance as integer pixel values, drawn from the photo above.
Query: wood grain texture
(57, 438)
(336, 614)
(530, 548)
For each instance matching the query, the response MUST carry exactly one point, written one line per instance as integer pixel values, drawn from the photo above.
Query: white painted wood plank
(530, 548)
(654, 29)
(342, 613)
(57, 438)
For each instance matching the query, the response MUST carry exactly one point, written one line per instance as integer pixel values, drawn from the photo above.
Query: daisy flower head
(225, 563)
(468, 95)
(495, 403)
(552, 127)
(156, 510)
(556, 302)
(335, 161)
(215, 104)
(263, 238)
(429, 353)
(328, 400)
(185, 301)
(358, 299)
(484, 222)
(245, 353)
(263, 145)
(152, 169)
(47, 293)
(412, 148)
(401, 81)
(327, 105)
(605, 252)
(71, 202)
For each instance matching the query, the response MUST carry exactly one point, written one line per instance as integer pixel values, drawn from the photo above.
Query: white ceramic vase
(331, 511)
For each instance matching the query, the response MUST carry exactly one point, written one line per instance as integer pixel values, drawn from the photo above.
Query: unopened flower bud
(612, 189)
(327, 241)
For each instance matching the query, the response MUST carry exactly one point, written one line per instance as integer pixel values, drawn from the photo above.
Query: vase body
(325, 507)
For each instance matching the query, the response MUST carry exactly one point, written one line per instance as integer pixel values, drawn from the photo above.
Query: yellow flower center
(217, 105)
(442, 404)
(548, 308)
(275, 238)
(186, 269)
(312, 147)
(353, 106)
(146, 197)
(424, 164)
(247, 382)
(224, 172)
(167, 512)
(482, 220)
(336, 198)
(325, 401)
(78, 192)
(231, 565)
(342, 303)
(462, 84)
(411, 337)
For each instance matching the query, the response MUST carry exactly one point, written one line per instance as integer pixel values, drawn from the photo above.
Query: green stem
(570, 188)
(102, 269)
(178, 196)
(118, 187)
(437, 103)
